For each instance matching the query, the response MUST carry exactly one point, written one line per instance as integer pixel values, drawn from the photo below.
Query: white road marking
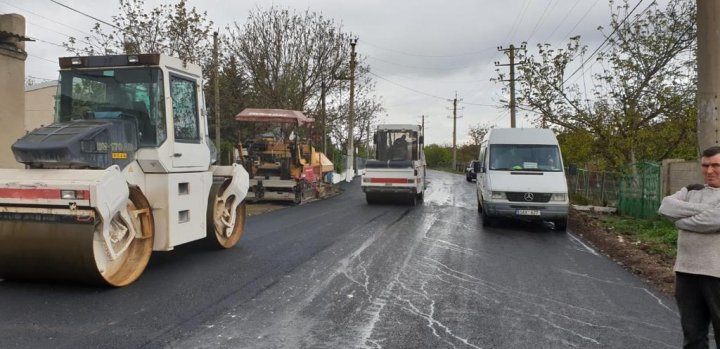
(590, 249)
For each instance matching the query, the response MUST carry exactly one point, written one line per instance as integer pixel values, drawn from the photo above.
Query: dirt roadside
(633, 255)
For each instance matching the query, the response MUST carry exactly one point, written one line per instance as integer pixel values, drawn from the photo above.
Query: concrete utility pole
(708, 62)
(351, 115)
(455, 117)
(216, 90)
(511, 54)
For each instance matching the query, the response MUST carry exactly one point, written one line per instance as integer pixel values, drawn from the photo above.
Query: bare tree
(170, 29)
(478, 131)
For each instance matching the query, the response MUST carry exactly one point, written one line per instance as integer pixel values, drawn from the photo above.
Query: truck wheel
(487, 221)
(560, 224)
(225, 228)
(371, 199)
(413, 199)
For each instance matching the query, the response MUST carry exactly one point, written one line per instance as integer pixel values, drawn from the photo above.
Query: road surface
(339, 273)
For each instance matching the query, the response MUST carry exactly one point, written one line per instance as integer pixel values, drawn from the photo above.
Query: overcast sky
(421, 52)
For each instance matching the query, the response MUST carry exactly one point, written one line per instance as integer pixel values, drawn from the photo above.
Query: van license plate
(527, 212)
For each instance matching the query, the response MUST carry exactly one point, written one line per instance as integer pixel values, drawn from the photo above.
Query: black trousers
(698, 299)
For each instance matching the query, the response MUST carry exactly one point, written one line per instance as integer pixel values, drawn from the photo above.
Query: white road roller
(398, 171)
(125, 170)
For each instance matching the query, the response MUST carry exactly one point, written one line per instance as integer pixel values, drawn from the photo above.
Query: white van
(520, 175)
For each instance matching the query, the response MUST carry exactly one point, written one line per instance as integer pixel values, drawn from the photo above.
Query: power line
(428, 56)
(581, 18)
(86, 15)
(532, 33)
(44, 59)
(47, 42)
(563, 20)
(407, 88)
(518, 20)
(480, 105)
(45, 18)
(582, 65)
(607, 39)
(409, 66)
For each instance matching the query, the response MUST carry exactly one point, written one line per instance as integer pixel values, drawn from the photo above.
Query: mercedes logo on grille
(529, 197)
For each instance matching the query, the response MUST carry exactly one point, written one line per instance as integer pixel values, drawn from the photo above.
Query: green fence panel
(639, 190)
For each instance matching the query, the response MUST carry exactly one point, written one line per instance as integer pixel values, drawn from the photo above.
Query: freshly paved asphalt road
(341, 274)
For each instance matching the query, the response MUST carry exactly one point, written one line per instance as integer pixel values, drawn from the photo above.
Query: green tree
(640, 99)
(437, 156)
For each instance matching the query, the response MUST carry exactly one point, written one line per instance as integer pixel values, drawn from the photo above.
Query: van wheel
(487, 221)
(560, 224)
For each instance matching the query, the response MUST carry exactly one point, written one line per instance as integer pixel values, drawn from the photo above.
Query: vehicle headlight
(497, 195)
(558, 197)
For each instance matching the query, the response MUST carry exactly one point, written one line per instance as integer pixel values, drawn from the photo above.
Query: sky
(421, 53)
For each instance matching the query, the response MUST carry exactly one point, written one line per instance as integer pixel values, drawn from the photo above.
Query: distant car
(469, 173)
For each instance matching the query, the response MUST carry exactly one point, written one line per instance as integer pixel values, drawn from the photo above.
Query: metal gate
(639, 191)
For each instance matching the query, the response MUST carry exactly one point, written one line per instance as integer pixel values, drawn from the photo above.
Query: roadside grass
(659, 233)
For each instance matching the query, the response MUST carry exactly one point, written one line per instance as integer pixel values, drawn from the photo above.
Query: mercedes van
(520, 175)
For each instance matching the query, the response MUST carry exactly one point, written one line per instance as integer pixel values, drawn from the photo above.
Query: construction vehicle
(283, 164)
(398, 170)
(125, 170)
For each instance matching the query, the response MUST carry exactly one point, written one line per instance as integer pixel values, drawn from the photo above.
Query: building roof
(44, 84)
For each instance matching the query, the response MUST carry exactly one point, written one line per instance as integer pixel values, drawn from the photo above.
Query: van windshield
(525, 157)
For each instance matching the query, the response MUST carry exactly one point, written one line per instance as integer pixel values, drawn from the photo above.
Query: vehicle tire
(560, 224)
(371, 199)
(467, 177)
(221, 220)
(413, 199)
(487, 221)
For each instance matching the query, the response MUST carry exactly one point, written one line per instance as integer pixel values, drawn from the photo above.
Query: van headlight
(497, 195)
(558, 197)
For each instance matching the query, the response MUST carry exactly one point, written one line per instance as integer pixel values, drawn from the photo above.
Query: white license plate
(527, 212)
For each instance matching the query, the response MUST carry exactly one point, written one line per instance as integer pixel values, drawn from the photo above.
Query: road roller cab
(125, 169)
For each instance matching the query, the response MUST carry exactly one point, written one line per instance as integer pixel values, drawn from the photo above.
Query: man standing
(696, 212)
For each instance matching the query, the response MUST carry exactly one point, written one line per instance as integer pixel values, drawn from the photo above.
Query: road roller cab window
(129, 93)
(397, 145)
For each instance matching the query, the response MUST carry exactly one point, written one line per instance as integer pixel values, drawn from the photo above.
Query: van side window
(483, 154)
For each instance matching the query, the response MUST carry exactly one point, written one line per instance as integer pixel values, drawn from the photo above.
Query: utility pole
(455, 117)
(708, 63)
(351, 114)
(422, 125)
(511, 54)
(216, 91)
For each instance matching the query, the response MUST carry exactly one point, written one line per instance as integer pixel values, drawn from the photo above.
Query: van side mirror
(572, 170)
(422, 139)
(477, 167)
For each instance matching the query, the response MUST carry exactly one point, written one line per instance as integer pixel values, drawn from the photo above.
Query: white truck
(520, 175)
(398, 171)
